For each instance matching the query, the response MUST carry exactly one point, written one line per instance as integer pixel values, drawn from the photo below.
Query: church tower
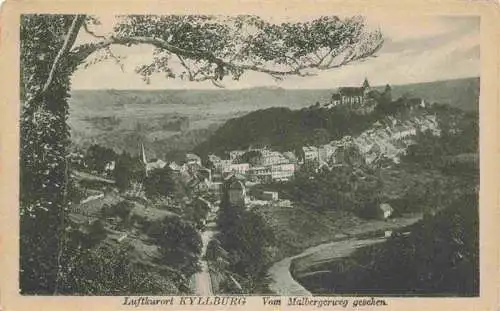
(366, 87)
(144, 160)
(366, 84)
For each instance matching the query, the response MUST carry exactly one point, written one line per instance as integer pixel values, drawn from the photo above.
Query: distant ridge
(460, 93)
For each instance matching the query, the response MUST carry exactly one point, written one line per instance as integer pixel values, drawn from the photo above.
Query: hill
(177, 120)
(459, 93)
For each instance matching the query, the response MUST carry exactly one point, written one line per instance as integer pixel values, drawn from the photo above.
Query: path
(203, 282)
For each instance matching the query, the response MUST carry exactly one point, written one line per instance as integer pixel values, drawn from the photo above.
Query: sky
(416, 49)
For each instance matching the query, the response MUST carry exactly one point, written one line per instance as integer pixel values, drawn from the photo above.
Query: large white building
(282, 172)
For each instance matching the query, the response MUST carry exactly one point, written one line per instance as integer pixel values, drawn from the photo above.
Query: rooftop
(351, 91)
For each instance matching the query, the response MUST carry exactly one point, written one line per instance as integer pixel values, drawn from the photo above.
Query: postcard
(246, 155)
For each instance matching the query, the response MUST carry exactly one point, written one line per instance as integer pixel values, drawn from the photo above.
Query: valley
(316, 184)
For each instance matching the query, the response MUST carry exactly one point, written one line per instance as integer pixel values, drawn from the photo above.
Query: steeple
(366, 85)
(144, 160)
(143, 154)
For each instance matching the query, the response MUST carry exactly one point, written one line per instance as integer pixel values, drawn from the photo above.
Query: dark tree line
(440, 257)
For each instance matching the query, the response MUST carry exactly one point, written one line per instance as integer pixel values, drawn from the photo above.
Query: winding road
(282, 282)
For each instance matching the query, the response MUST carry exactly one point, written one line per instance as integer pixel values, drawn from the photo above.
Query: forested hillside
(285, 129)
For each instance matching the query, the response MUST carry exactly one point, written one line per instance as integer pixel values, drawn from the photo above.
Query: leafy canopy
(213, 47)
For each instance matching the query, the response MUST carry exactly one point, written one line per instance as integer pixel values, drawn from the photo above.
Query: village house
(265, 157)
(223, 166)
(109, 167)
(174, 166)
(156, 164)
(310, 153)
(268, 196)
(240, 168)
(213, 159)
(325, 152)
(192, 158)
(234, 154)
(291, 157)
(260, 173)
(236, 190)
(215, 187)
(270, 157)
(385, 211)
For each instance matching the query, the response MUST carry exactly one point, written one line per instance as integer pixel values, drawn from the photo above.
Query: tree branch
(80, 53)
(183, 63)
(63, 51)
(90, 32)
(67, 44)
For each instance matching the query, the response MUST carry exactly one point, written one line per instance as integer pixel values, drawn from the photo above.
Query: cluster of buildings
(388, 140)
(257, 165)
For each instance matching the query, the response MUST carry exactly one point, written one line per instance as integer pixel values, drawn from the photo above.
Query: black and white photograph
(218, 155)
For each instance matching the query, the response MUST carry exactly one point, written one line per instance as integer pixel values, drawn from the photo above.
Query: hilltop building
(356, 98)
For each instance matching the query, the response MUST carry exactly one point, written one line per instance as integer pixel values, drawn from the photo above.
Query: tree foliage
(179, 243)
(243, 245)
(212, 47)
(349, 188)
(161, 182)
(97, 157)
(44, 141)
(127, 170)
(285, 129)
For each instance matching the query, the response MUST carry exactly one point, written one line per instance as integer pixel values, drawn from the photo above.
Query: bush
(109, 271)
